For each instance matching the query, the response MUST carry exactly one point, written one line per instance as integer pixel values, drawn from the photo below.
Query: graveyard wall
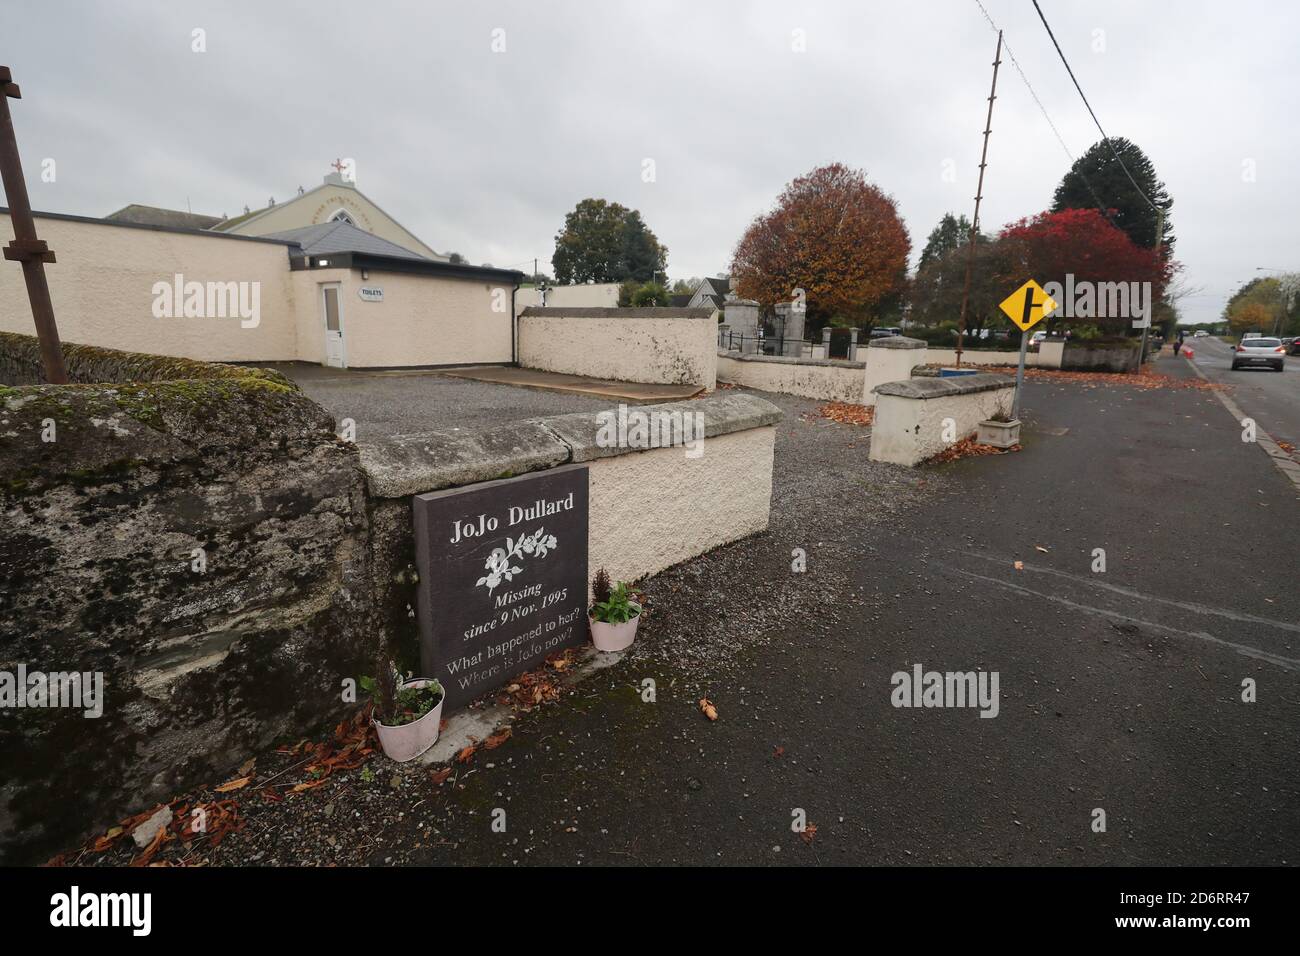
(1047, 356)
(658, 346)
(202, 665)
(909, 422)
(828, 380)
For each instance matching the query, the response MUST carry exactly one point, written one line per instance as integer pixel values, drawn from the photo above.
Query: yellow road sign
(1028, 305)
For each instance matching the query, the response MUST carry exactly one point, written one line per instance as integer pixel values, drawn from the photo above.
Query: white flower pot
(405, 742)
(999, 434)
(615, 637)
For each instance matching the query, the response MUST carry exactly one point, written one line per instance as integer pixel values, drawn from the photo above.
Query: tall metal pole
(979, 194)
(26, 247)
(1160, 241)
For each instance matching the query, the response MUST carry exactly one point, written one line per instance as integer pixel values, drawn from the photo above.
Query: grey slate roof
(338, 236)
(157, 216)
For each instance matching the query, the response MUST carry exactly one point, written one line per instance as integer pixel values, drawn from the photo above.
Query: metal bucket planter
(999, 434)
(403, 742)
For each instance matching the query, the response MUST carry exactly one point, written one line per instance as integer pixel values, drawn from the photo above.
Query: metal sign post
(1026, 307)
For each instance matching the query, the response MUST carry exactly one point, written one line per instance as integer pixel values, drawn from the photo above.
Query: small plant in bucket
(614, 615)
(407, 711)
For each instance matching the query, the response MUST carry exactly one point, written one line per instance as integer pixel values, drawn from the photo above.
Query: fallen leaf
(230, 785)
(247, 766)
(439, 777)
(809, 833)
(707, 708)
(464, 755)
(496, 740)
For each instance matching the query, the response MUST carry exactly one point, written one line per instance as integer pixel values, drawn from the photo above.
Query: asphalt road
(1120, 690)
(1273, 400)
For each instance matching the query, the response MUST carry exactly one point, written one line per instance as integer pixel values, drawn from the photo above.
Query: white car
(1257, 350)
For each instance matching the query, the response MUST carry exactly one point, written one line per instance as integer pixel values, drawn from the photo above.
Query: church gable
(334, 200)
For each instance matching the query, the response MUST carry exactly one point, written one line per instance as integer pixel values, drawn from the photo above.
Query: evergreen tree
(1111, 188)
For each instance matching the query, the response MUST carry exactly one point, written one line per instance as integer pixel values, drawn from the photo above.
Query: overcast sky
(484, 152)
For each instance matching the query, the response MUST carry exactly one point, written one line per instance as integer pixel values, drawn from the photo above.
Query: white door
(334, 354)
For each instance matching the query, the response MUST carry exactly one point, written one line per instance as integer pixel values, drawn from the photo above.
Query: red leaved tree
(832, 234)
(1082, 243)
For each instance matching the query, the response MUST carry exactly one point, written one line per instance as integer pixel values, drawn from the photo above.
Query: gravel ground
(705, 616)
(399, 403)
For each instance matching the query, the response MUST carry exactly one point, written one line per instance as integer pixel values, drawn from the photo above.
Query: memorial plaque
(503, 577)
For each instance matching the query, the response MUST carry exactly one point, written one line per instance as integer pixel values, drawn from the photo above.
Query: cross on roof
(338, 165)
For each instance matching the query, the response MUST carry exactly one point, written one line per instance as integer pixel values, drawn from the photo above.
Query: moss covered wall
(106, 492)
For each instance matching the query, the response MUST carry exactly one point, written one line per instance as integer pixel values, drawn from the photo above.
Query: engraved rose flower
(499, 566)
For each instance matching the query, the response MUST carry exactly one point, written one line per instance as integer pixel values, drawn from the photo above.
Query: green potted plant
(407, 711)
(614, 615)
(999, 430)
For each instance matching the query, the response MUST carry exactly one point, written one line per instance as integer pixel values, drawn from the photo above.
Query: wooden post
(979, 195)
(26, 247)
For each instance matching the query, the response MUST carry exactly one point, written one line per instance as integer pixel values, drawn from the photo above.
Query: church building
(326, 277)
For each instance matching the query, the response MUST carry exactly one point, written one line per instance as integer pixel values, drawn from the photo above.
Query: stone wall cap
(413, 464)
(944, 387)
(605, 312)
(788, 360)
(896, 342)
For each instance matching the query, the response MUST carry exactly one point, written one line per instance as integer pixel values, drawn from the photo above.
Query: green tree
(1097, 178)
(951, 233)
(650, 294)
(606, 242)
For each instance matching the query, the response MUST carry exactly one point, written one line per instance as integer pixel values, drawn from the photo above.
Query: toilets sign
(503, 577)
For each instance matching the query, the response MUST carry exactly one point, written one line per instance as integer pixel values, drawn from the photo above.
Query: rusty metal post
(979, 195)
(26, 247)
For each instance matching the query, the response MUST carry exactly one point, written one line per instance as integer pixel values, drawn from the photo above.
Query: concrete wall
(890, 360)
(667, 346)
(102, 288)
(911, 422)
(1084, 356)
(653, 509)
(600, 295)
(1047, 356)
(831, 381)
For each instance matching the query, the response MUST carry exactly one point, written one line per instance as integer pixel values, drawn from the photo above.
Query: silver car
(1259, 351)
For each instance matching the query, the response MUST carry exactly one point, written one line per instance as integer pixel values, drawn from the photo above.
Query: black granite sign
(503, 577)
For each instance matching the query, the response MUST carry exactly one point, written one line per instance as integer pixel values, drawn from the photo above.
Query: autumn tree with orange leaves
(835, 236)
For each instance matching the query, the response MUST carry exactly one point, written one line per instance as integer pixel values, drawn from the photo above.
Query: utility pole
(1160, 241)
(979, 195)
(26, 247)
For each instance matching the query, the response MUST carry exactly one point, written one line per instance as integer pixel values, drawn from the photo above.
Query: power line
(1101, 207)
(1105, 138)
